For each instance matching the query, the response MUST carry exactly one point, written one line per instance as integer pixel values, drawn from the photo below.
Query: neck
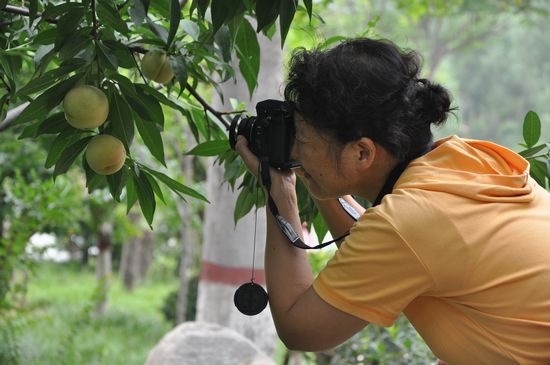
(377, 175)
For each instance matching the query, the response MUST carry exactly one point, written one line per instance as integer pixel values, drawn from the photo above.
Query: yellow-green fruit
(155, 66)
(105, 154)
(86, 107)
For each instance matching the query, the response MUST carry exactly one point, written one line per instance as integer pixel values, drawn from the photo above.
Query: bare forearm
(288, 274)
(338, 221)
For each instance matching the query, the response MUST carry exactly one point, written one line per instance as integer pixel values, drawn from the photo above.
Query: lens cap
(250, 299)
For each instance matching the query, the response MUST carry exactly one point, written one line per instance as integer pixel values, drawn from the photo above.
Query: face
(326, 167)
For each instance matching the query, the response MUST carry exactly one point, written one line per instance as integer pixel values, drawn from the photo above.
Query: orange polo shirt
(462, 247)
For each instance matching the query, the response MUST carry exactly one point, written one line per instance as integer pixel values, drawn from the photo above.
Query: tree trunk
(188, 244)
(188, 236)
(145, 253)
(126, 271)
(137, 254)
(227, 250)
(103, 268)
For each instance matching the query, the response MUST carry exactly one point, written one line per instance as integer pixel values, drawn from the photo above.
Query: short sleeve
(375, 274)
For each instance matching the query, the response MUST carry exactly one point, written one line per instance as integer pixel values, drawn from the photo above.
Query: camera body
(270, 134)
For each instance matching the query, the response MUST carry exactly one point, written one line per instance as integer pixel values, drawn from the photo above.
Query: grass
(57, 329)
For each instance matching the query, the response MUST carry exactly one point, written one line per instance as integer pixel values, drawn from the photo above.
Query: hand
(283, 183)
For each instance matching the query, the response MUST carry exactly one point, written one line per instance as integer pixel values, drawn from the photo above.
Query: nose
(294, 157)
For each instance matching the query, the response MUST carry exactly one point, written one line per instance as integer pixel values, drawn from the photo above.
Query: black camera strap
(287, 229)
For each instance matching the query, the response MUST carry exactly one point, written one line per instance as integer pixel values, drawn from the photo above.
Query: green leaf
(223, 39)
(156, 188)
(331, 40)
(57, 146)
(148, 90)
(160, 31)
(116, 182)
(175, 16)
(47, 36)
(69, 155)
(7, 66)
(4, 102)
(150, 134)
(191, 28)
(108, 59)
(67, 24)
(210, 148)
(287, 11)
(179, 66)
(146, 106)
(202, 6)
(224, 10)
(110, 17)
(162, 6)
(309, 7)
(41, 106)
(54, 124)
(29, 131)
(41, 82)
(137, 13)
(33, 10)
(145, 195)
(43, 57)
(320, 226)
(93, 180)
(245, 202)
(532, 151)
(266, 13)
(73, 45)
(248, 52)
(176, 186)
(121, 52)
(120, 117)
(125, 84)
(531, 128)
(538, 171)
(53, 11)
(131, 195)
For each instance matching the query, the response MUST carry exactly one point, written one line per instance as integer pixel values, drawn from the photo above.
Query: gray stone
(200, 343)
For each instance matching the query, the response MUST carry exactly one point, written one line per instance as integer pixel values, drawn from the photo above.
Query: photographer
(458, 235)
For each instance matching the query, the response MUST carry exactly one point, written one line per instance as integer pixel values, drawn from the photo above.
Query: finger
(249, 159)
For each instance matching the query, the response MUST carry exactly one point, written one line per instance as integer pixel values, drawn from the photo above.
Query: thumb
(249, 159)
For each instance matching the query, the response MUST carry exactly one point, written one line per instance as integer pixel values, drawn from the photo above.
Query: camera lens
(244, 126)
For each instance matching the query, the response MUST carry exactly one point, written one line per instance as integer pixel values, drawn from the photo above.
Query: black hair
(367, 88)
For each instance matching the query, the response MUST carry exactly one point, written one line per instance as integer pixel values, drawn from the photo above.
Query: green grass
(57, 329)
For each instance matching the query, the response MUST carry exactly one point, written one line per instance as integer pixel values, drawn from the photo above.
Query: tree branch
(25, 12)
(119, 7)
(193, 92)
(207, 106)
(94, 21)
(12, 116)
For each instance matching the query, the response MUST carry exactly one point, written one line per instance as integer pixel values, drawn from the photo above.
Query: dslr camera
(270, 134)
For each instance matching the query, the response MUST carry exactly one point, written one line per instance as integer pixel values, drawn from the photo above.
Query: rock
(200, 343)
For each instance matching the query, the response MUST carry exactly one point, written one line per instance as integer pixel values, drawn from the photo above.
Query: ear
(366, 152)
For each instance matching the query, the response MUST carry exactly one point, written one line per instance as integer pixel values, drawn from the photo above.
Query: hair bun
(433, 102)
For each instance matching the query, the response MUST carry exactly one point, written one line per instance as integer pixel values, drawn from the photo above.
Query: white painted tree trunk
(189, 239)
(227, 250)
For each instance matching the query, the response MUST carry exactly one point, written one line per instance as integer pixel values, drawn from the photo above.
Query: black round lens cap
(250, 299)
